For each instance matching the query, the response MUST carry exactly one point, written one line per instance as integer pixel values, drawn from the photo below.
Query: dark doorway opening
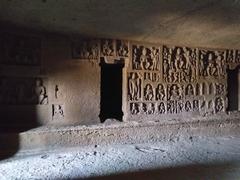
(233, 89)
(111, 91)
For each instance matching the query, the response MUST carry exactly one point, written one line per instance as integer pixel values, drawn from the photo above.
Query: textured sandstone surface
(179, 158)
(209, 23)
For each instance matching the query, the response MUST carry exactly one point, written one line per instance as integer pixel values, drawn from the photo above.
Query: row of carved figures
(174, 107)
(15, 91)
(91, 49)
(156, 92)
(179, 63)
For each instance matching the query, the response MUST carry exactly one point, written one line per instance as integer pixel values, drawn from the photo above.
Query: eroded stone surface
(184, 158)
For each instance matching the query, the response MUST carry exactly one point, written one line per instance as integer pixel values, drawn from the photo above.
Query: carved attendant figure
(175, 92)
(201, 66)
(40, 92)
(189, 90)
(162, 108)
(179, 63)
(211, 69)
(155, 59)
(160, 92)
(219, 105)
(148, 92)
(134, 86)
(136, 63)
(150, 108)
(94, 50)
(134, 108)
(219, 64)
(107, 49)
(144, 59)
(123, 49)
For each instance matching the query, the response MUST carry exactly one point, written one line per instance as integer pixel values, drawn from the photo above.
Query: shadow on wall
(22, 91)
(212, 171)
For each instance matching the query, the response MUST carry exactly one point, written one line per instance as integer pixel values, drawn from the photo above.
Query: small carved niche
(145, 58)
(107, 47)
(179, 64)
(57, 111)
(122, 48)
(212, 64)
(85, 49)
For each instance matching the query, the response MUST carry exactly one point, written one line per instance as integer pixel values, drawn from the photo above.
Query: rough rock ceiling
(209, 23)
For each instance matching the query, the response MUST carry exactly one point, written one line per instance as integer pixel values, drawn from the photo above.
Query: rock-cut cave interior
(135, 89)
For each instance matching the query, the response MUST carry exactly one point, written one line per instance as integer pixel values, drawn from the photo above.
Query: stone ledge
(50, 138)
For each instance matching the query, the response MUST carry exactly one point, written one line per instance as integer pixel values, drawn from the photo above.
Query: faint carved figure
(219, 89)
(143, 108)
(148, 92)
(134, 86)
(153, 77)
(195, 105)
(220, 63)
(136, 62)
(198, 89)
(179, 61)
(161, 108)
(219, 105)
(40, 92)
(135, 108)
(210, 88)
(57, 111)
(22, 91)
(180, 106)
(175, 92)
(211, 68)
(179, 64)
(172, 107)
(231, 54)
(165, 70)
(144, 59)
(94, 50)
(212, 63)
(202, 71)
(160, 92)
(85, 49)
(189, 90)
(188, 106)
(190, 57)
(122, 48)
(210, 107)
(155, 59)
(237, 59)
(150, 108)
(107, 48)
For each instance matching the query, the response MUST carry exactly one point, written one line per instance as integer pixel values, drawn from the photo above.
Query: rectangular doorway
(233, 89)
(111, 91)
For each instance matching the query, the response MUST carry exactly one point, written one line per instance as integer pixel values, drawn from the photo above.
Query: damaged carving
(85, 49)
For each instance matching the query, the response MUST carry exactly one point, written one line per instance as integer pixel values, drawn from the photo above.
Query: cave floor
(179, 158)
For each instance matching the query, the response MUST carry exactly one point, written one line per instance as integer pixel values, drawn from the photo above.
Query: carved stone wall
(163, 81)
(57, 78)
(173, 82)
